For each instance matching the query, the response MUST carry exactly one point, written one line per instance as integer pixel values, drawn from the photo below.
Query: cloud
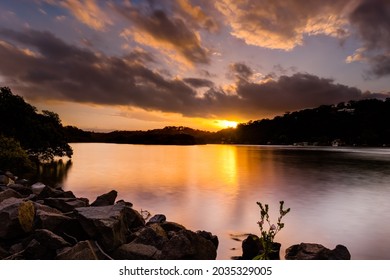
(240, 71)
(281, 24)
(155, 28)
(371, 18)
(60, 71)
(87, 12)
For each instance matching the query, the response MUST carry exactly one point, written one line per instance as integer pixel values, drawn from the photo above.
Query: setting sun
(227, 124)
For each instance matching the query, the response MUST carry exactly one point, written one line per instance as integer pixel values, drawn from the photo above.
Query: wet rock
(105, 199)
(136, 251)
(312, 251)
(187, 245)
(109, 225)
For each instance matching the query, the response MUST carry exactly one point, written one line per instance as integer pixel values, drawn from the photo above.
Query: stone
(312, 251)
(187, 245)
(50, 218)
(37, 188)
(149, 236)
(4, 180)
(252, 247)
(136, 251)
(23, 190)
(172, 226)
(49, 192)
(159, 218)
(8, 193)
(83, 250)
(209, 236)
(3, 253)
(105, 199)
(109, 225)
(65, 204)
(9, 219)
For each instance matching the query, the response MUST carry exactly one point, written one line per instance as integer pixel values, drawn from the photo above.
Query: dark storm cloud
(45, 67)
(164, 30)
(371, 18)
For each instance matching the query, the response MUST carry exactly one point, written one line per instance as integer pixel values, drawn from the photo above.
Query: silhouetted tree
(40, 134)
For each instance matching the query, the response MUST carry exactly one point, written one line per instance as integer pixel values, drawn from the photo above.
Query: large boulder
(109, 225)
(187, 245)
(312, 251)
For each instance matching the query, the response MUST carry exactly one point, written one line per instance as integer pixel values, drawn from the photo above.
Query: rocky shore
(42, 222)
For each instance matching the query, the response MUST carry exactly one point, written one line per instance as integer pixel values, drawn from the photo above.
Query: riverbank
(41, 222)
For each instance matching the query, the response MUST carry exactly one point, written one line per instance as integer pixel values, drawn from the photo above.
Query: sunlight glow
(226, 123)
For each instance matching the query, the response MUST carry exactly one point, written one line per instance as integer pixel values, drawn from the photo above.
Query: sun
(226, 124)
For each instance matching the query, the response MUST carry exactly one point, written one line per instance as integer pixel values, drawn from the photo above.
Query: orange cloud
(282, 24)
(88, 12)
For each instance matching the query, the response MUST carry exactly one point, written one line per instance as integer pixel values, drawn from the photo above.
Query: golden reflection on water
(215, 188)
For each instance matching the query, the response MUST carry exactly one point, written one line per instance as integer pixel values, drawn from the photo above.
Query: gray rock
(311, 251)
(136, 251)
(50, 218)
(209, 236)
(37, 188)
(105, 199)
(149, 236)
(187, 245)
(109, 225)
(172, 226)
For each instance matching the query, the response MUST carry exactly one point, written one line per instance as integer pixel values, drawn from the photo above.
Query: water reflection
(52, 173)
(336, 195)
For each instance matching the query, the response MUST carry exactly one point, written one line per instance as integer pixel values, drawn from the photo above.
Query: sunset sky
(137, 65)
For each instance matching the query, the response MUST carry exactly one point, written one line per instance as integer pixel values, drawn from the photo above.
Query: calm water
(336, 195)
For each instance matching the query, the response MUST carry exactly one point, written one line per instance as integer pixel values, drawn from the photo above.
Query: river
(336, 195)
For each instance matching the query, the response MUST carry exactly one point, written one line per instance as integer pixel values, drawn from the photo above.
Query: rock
(311, 251)
(171, 226)
(148, 236)
(50, 218)
(105, 199)
(136, 251)
(252, 247)
(209, 236)
(22, 182)
(8, 193)
(84, 250)
(23, 190)
(37, 188)
(49, 192)
(187, 245)
(10, 175)
(109, 225)
(3, 253)
(4, 180)
(9, 219)
(159, 218)
(65, 204)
